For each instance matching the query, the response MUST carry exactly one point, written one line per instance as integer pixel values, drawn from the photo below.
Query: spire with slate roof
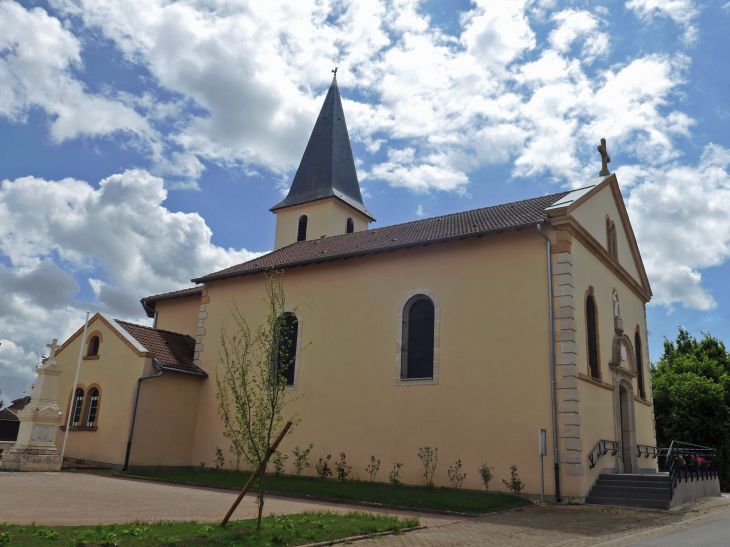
(327, 168)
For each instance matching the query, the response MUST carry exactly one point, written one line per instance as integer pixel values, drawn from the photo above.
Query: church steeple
(327, 168)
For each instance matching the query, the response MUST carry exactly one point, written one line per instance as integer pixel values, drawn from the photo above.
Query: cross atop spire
(327, 168)
(605, 159)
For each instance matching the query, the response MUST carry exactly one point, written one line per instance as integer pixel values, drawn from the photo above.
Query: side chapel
(443, 332)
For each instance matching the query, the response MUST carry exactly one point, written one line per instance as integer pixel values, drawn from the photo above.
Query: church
(469, 332)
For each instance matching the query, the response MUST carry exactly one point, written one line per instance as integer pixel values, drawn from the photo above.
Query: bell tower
(324, 198)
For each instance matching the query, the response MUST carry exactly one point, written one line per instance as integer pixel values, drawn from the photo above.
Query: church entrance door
(627, 428)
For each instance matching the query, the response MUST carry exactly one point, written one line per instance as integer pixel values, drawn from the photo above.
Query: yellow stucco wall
(116, 372)
(493, 393)
(592, 216)
(178, 314)
(596, 403)
(166, 415)
(326, 217)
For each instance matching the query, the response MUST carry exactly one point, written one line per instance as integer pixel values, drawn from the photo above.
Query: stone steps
(645, 490)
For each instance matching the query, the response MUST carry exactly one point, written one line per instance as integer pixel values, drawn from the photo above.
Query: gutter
(376, 250)
(159, 367)
(556, 460)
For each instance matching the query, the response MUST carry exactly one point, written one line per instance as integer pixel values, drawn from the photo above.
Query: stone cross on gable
(54, 346)
(605, 159)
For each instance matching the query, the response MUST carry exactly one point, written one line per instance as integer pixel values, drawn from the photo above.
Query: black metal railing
(646, 450)
(688, 462)
(601, 449)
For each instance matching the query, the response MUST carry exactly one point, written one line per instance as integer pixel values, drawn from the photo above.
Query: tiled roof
(327, 168)
(148, 302)
(172, 349)
(192, 291)
(421, 232)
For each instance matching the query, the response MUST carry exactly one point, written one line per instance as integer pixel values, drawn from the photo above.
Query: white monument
(35, 449)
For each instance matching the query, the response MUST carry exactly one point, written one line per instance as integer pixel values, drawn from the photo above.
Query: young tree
(251, 385)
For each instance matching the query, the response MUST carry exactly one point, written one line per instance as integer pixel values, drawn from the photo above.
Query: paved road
(712, 534)
(83, 499)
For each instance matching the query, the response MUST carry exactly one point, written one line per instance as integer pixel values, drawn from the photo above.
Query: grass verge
(416, 497)
(281, 531)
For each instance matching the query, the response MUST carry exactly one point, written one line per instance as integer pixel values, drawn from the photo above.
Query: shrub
(109, 539)
(301, 459)
(373, 468)
(47, 533)
(455, 477)
(394, 476)
(278, 461)
(342, 468)
(429, 458)
(485, 473)
(5, 538)
(323, 467)
(220, 460)
(515, 484)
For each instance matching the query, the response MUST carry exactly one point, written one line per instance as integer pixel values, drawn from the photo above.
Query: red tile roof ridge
(180, 292)
(152, 328)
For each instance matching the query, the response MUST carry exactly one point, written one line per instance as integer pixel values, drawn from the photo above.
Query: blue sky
(143, 141)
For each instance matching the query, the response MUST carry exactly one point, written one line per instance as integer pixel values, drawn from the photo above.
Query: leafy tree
(691, 389)
(251, 389)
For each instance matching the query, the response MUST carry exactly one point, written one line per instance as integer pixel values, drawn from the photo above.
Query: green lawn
(281, 531)
(417, 497)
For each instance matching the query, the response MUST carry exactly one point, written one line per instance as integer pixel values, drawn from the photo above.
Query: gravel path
(88, 499)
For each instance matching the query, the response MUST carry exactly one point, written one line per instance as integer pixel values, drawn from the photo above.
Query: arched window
(611, 241)
(350, 227)
(286, 346)
(639, 365)
(302, 228)
(78, 407)
(418, 338)
(93, 347)
(93, 408)
(591, 332)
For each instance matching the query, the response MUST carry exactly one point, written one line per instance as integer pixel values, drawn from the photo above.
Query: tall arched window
(93, 347)
(286, 347)
(591, 332)
(418, 338)
(302, 228)
(77, 407)
(350, 227)
(93, 410)
(639, 365)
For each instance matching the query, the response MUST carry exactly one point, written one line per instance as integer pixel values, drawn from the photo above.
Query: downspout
(556, 460)
(150, 310)
(157, 366)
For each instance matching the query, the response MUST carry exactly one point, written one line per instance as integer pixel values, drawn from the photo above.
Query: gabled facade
(431, 333)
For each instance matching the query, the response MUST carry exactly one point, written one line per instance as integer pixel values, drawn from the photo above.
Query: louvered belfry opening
(350, 227)
(93, 346)
(302, 228)
(592, 342)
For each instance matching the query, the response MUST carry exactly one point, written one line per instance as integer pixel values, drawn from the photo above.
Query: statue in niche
(616, 310)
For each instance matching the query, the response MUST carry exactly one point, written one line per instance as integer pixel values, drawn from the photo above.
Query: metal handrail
(691, 460)
(601, 449)
(648, 450)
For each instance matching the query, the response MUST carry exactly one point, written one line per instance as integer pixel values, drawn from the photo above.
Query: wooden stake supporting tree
(251, 387)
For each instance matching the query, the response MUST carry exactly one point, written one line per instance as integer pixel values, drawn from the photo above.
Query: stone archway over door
(628, 429)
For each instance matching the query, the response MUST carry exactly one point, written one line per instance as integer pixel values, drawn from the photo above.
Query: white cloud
(36, 64)
(576, 25)
(681, 216)
(682, 12)
(119, 238)
(419, 211)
